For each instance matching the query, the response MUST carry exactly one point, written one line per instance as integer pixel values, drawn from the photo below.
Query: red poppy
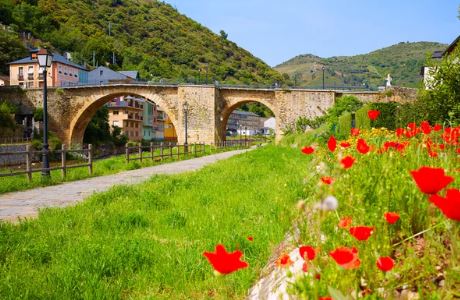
(305, 267)
(391, 217)
(361, 233)
(450, 205)
(224, 262)
(345, 144)
(399, 132)
(437, 127)
(325, 298)
(431, 180)
(362, 147)
(284, 261)
(317, 276)
(412, 126)
(307, 252)
(432, 154)
(327, 180)
(250, 238)
(458, 150)
(347, 162)
(308, 150)
(345, 257)
(332, 143)
(425, 126)
(345, 222)
(373, 114)
(354, 132)
(385, 263)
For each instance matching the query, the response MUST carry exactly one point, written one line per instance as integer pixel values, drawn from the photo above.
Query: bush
(387, 116)
(341, 105)
(344, 125)
(362, 119)
(408, 112)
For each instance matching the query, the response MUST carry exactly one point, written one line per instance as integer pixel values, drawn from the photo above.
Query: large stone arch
(94, 102)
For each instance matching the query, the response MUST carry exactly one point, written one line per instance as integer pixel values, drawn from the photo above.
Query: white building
(269, 126)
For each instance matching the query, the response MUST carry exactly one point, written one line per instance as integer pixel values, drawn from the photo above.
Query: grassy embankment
(147, 240)
(101, 167)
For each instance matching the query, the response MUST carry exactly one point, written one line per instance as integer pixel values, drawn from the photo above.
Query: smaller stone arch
(93, 103)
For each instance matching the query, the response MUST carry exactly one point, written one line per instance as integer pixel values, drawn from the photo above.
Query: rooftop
(56, 58)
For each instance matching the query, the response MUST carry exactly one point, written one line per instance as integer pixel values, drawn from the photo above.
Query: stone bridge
(70, 109)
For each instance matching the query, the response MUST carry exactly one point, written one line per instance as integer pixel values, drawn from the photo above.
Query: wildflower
(327, 180)
(354, 132)
(425, 126)
(362, 147)
(399, 132)
(437, 127)
(284, 261)
(345, 257)
(307, 252)
(308, 150)
(224, 262)
(347, 162)
(431, 180)
(391, 217)
(361, 233)
(345, 144)
(385, 263)
(329, 203)
(305, 267)
(250, 238)
(325, 298)
(373, 114)
(450, 205)
(332, 143)
(345, 222)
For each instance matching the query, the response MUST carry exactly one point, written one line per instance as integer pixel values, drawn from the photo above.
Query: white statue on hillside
(389, 79)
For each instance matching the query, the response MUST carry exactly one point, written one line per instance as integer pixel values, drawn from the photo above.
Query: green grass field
(147, 241)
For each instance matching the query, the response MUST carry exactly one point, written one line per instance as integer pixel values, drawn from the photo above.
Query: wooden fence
(31, 154)
(162, 151)
(14, 140)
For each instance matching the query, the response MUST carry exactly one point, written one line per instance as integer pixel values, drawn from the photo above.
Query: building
(244, 123)
(127, 113)
(428, 72)
(169, 131)
(269, 126)
(26, 72)
(103, 75)
(4, 80)
(147, 127)
(159, 117)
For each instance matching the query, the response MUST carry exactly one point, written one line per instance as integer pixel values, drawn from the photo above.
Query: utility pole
(110, 34)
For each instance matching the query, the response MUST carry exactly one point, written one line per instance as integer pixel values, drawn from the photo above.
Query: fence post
(161, 150)
(140, 152)
(194, 150)
(63, 162)
(151, 150)
(127, 153)
(90, 159)
(170, 150)
(28, 162)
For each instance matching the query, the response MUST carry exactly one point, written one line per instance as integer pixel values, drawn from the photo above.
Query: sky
(276, 31)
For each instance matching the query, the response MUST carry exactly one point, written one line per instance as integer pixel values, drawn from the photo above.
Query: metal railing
(162, 151)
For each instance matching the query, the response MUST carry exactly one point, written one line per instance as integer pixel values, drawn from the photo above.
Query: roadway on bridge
(26, 204)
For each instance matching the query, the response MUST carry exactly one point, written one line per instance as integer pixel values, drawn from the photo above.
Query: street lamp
(185, 107)
(44, 61)
(323, 68)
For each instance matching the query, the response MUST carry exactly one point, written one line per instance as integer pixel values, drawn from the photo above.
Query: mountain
(402, 61)
(145, 35)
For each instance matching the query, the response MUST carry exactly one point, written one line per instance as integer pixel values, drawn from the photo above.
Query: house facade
(127, 113)
(244, 123)
(103, 75)
(26, 72)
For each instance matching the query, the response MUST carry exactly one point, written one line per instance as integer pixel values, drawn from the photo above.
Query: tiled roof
(56, 58)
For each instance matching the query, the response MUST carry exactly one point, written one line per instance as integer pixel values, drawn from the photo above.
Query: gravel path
(27, 203)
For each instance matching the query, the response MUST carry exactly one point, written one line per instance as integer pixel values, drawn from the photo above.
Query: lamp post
(44, 61)
(323, 68)
(185, 107)
(245, 135)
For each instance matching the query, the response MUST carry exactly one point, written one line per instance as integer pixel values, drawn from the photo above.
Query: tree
(12, 49)
(98, 130)
(223, 35)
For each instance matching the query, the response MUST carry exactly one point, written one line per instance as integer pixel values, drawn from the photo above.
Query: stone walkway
(27, 203)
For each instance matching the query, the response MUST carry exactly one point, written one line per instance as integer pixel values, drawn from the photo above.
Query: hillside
(403, 61)
(149, 36)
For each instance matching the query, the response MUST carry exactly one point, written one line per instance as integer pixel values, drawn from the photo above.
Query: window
(21, 71)
(116, 123)
(115, 112)
(101, 72)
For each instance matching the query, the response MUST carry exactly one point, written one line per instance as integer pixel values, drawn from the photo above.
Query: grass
(424, 243)
(146, 241)
(101, 167)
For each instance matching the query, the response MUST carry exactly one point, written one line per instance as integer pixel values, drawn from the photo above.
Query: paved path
(27, 203)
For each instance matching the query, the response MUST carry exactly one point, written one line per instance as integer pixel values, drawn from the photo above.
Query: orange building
(169, 130)
(127, 113)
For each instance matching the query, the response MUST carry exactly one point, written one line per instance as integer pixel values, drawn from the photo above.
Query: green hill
(403, 61)
(149, 36)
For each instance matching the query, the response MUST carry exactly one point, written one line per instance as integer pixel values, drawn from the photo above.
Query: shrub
(362, 120)
(344, 125)
(387, 116)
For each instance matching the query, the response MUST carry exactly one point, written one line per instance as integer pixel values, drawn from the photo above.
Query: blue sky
(278, 30)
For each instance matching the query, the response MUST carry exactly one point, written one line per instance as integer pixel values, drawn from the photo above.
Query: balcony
(20, 77)
(30, 76)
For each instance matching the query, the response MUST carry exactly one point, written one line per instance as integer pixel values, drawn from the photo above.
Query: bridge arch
(85, 114)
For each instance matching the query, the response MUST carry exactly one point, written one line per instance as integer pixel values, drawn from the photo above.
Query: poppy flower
(347, 162)
(450, 205)
(345, 222)
(317, 276)
(437, 127)
(399, 132)
(361, 233)
(362, 147)
(425, 126)
(327, 180)
(432, 154)
(412, 126)
(431, 180)
(308, 150)
(325, 298)
(345, 144)
(250, 238)
(307, 252)
(225, 262)
(391, 217)
(332, 143)
(458, 151)
(346, 257)
(373, 114)
(305, 267)
(385, 263)
(284, 261)
(354, 132)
